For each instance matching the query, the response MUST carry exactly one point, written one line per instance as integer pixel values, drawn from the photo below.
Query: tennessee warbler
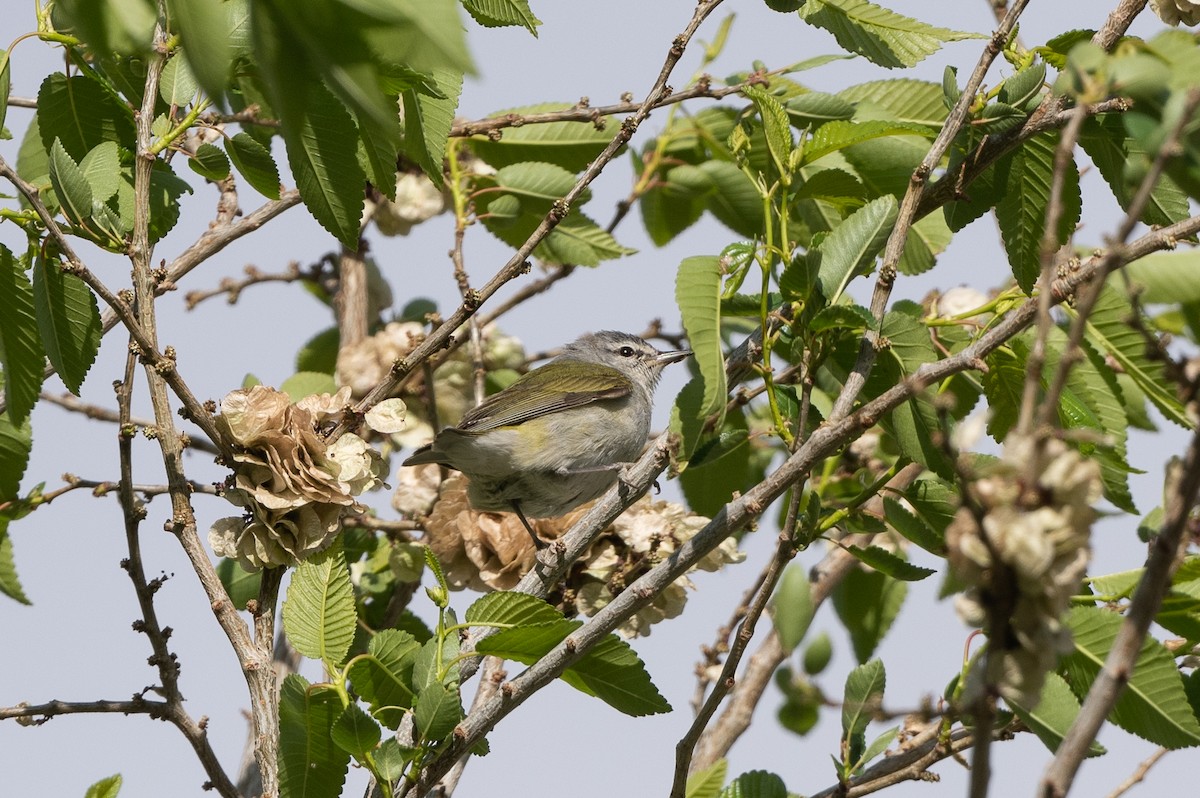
(556, 437)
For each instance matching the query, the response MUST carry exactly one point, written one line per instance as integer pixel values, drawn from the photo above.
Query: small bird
(558, 436)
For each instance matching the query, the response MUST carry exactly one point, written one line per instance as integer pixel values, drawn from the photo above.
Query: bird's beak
(674, 356)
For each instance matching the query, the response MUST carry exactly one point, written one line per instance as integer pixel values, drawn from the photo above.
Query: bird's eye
(625, 351)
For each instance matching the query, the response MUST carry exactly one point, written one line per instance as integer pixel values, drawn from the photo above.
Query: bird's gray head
(627, 353)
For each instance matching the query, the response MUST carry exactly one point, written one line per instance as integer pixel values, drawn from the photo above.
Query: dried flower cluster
(1024, 560)
(491, 551)
(293, 486)
(1174, 12)
(363, 366)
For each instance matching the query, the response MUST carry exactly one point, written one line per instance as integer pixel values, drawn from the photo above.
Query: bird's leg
(538, 543)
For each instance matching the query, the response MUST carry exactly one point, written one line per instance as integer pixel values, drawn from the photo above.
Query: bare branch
(75, 405)
(1139, 774)
(37, 714)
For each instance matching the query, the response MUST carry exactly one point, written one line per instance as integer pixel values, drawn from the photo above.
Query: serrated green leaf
(1166, 277)
(307, 383)
(208, 30)
(1108, 329)
(927, 239)
(851, 248)
(10, 583)
(776, 127)
(888, 563)
(20, 347)
(817, 108)
(318, 613)
(384, 678)
(502, 13)
(793, 606)
(836, 186)
(735, 203)
(512, 608)
(437, 711)
(864, 693)
(913, 528)
(1153, 704)
(611, 671)
(755, 784)
(867, 604)
(570, 145)
(427, 121)
(322, 153)
(210, 162)
(1021, 211)
(105, 788)
(698, 295)
(253, 161)
(1053, 715)
(707, 783)
(82, 114)
(355, 732)
(841, 317)
(178, 86)
(310, 765)
(70, 185)
(68, 319)
(1002, 385)
(915, 102)
(1108, 145)
(834, 136)
(101, 168)
(882, 36)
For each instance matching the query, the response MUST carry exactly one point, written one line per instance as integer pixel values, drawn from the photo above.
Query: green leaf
(793, 606)
(384, 678)
(241, 585)
(10, 583)
(321, 151)
(834, 136)
(101, 168)
(1153, 705)
(210, 162)
(913, 528)
(755, 784)
(1053, 715)
(310, 765)
(253, 161)
(437, 711)
(915, 102)
(319, 354)
(1002, 385)
(867, 602)
(308, 383)
(1108, 145)
(851, 248)
(355, 732)
(16, 440)
(206, 27)
(20, 348)
(776, 127)
(110, 27)
(698, 295)
(82, 114)
(864, 694)
(70, 185)
(1109, 329)
(502, 13)
(68, 319)
(877, 747)
(816, 108)
(1166, 277)
(318, 614)
(707, 783)
(888, 563)
(736, 202)
(882, 36)
(5, 84)
(611, 671)
(105, 788)
(927, 239)
(427, 122)
(571, 145)
(178, 86)
(841, 317)
(1021, 211)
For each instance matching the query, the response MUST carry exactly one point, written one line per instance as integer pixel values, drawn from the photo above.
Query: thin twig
(1139, 774)
(1183, 484)
(37, 714)
(75, 405)
(232, 288)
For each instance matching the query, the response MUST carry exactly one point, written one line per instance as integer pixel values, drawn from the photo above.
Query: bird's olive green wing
(556, 386)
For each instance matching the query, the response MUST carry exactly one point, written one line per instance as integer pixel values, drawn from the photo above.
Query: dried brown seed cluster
(491, 551)
(1025, 560)
(293, 486)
